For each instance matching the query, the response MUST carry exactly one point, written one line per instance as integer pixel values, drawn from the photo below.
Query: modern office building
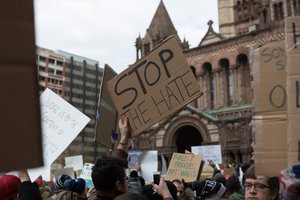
(76, 79)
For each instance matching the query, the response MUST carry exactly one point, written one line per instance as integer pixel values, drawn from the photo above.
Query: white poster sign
(86, 174)
(74, 161)
(148, 160)
(61, 123)
(209, 152)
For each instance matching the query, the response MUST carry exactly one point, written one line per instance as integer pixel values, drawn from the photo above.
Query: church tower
(160, 28)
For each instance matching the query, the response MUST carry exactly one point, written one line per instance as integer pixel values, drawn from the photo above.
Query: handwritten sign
(269, 92)
(292, 30)
(209, 152)
(61, 123)
(154, 87)
(74, 161)
(86, 174)
(184, 166)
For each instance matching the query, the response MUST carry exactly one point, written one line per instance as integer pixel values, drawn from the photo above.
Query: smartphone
(156, 177)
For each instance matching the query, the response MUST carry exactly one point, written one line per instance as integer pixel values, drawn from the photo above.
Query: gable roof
(210, 36)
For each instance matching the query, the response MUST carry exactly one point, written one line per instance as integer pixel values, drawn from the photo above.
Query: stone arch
(171, 136)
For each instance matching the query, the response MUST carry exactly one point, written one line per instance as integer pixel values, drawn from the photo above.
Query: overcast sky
(105, 30)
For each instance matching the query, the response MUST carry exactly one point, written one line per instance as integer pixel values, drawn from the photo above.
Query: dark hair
(107, 171)
(233, 184)
(273, 181)
(130, 196)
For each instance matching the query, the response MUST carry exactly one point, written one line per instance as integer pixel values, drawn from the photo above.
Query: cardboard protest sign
(269, 122)
(20, 111)
(292, 32)
(106, 123)
(154, 87)
(184, 166)
(86, 174)
(269, 78)
(74, 161)
(209, 152)
(61, 123)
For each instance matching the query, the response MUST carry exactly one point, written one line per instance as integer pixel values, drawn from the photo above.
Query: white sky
(105, 30)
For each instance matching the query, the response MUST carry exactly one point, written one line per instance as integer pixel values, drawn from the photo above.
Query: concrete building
(83, 79)
(51, 68)
(76, 79)
(221, 63)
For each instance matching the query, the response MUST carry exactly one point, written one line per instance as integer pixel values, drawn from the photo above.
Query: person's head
(233, 184)
(179, 186)
(108, 174)
(130, 196)
(208, 189)
(59, 183)
(148, 192)
(218, 177)
(75, 185)
(289, 179)
(260, 187)
(9, 187)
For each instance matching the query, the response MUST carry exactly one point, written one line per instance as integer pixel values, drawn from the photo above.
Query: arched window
(275, 11)
(210, 84)
(280, 11)
(245, 76)
(227, 83)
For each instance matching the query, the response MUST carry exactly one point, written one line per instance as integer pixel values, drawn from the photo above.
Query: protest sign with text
(61, 123)
(154, 87)
(209, 153)
(184, 166)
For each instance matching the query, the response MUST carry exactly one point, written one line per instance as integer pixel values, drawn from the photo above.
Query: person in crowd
(76, 185)
(130, 196)
(180, 189)
(9, 187)
(220, 178)
(208, 189)
(289, 180)
(28, 190)
(260, 187)
(233, 188)
(135, 182)
(59, 182)
(165, 190)
(109, 172)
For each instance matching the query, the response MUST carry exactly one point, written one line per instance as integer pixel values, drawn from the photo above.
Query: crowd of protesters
(112, 183)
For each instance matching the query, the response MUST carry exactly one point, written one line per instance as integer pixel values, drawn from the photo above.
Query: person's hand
(162, 189)
(124, 130)
(137, 166)
(91, 193)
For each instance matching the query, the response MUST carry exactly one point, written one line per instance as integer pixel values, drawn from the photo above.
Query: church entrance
(187, 136)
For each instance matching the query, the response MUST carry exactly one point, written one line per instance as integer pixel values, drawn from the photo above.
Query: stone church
(221, 64)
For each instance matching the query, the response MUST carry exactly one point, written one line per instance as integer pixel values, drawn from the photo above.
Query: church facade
(221, 64)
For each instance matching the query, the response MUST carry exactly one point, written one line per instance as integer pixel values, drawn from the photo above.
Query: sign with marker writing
(292, 43)
(154, 87)
(74, 161)
(184, 166)
(61, 123)
(209, 152)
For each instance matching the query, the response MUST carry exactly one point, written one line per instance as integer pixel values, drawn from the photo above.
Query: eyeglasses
(258, 186)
